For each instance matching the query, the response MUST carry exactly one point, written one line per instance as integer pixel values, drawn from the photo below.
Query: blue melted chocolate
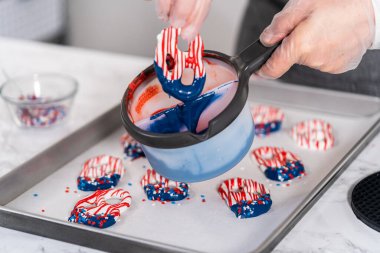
(101, 183)
(166, 193)
(174, 119)
(248, 209)
(176, 89)
(99, 220)
(187, 114)
(291, 170)
(266, 129)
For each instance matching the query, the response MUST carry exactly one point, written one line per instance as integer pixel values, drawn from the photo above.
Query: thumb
(284, 22)
(282, 59)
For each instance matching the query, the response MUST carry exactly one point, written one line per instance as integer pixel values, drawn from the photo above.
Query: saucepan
(225, 131)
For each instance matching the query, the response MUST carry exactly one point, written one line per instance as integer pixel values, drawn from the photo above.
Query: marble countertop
(330, 226)
(102, 79)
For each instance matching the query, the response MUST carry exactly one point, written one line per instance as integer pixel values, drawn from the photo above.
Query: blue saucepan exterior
(208, 159)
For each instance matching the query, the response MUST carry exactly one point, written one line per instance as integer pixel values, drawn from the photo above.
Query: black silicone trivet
(365, 201)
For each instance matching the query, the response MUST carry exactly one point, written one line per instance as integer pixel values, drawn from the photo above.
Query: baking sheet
(209, 226)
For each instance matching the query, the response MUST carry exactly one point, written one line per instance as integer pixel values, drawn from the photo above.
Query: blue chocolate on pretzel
(160, 188)
(289, 171)
(248, 209)
(100, 173)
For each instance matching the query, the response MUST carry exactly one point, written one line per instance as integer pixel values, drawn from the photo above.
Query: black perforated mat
(365, 201)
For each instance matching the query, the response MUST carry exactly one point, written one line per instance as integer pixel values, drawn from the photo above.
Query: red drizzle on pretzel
(153, 178)
(101, 166)
(235, 190)
(273, 156)
(263, 114)
(94, 210)
(313, 134)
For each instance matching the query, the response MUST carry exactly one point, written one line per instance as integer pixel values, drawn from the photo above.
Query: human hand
(329, 35)
(188, 15)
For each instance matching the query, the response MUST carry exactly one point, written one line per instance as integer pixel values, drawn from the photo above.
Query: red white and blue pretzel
(160, 188)
(235, 190)
(267, 119)
(170, 62)
(132, 148)
(278, 164)
(100, 172)
(94, 210)
(168, 45)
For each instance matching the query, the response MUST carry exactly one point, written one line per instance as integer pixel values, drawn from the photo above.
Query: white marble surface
(330, 226)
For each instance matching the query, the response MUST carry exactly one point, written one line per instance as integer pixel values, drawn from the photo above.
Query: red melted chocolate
(148, 93)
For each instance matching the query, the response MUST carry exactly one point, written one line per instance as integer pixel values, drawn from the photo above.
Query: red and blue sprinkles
(162, 189)
(245, 197)
(267, 119)
(100, 172)
(94, 210)
(34, 113)
(132, 149)
(278, 164)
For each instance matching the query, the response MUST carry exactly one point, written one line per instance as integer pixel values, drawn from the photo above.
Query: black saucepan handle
(253, 57)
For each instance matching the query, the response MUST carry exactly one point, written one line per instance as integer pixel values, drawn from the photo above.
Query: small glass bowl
(39, 100)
